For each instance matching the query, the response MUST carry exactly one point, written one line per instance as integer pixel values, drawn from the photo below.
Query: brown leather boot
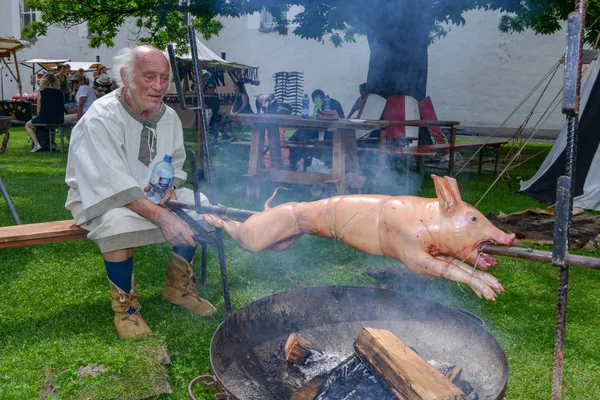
(128, 326)
(180, 287)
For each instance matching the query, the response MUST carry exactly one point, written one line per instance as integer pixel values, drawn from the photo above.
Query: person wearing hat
(84, 96)
(102, 85)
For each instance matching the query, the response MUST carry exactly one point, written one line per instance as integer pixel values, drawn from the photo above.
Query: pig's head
(463, 230)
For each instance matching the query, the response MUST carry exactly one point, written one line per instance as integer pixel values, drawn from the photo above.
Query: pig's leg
(482, 283)
(275, 229)
(476, 276)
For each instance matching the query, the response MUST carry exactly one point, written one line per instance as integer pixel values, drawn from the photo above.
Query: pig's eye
(473, 218)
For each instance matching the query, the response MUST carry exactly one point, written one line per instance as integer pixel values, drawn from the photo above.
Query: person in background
(335, 105)
(81, 72)
(362, 89)
(241, 102)
(114, 148)
(65, 88)
(263, 101)
(102, 85)
(241, 105)
(305, 136)
(84, 97)
(212, 101)
(49, 107)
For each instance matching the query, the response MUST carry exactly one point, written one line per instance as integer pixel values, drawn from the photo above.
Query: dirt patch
(537, 226)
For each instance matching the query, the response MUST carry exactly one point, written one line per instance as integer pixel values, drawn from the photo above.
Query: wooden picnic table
(345, 171)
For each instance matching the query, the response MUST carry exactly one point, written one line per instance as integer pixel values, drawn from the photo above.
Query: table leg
(257, 143)
(338, 163)
(382, 155)
(451, 152)
(274, 146)
(480, 159)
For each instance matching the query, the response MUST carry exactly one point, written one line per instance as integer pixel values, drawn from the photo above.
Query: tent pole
(14, 53)
(200, 158)
(565, 186)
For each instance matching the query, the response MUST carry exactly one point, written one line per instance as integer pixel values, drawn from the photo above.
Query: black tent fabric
(543, 185)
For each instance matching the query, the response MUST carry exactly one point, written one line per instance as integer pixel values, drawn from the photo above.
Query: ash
(353, 380)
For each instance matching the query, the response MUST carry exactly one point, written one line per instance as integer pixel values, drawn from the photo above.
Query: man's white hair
(126, 59)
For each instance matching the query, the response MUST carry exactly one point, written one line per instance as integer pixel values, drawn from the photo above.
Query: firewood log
(298, 350)
(407, 375)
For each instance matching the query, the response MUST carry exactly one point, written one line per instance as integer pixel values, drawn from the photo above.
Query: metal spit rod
(207, 157)
(564, 189)
(543, 256)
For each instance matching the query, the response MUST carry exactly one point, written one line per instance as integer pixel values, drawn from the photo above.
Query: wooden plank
(407, 375)
(41, 233)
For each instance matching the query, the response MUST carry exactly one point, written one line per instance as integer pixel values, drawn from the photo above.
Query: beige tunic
(111, 156)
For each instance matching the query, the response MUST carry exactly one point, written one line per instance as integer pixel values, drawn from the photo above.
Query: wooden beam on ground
(406, 374)
(42, 233)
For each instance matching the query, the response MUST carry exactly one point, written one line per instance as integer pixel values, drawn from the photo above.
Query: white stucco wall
(477, 75)
(58, 44)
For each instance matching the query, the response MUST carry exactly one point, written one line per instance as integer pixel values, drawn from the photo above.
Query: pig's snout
(504, 239)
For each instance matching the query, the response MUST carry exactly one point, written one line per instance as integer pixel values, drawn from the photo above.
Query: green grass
(55, 314)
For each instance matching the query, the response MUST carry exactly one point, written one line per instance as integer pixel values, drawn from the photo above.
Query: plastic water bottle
(305, 104)
(327, 103)
(318, 106)
(160, 180)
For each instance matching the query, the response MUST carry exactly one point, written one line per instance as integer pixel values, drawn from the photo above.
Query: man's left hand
(169, 195)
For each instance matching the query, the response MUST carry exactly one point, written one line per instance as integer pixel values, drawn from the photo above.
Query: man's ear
(122, 74)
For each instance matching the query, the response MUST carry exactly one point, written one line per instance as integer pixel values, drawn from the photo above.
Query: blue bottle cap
(167, 158)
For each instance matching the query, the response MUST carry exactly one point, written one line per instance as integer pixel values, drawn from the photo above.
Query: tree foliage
(339, 21)
(398, 31)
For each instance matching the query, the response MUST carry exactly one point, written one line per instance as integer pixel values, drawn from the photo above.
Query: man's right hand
(176, 231)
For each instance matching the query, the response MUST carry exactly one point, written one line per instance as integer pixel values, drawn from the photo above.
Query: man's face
(211, 90)
(150, 82)
(75, 85)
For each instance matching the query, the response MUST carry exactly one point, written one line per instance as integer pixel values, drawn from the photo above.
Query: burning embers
(382, 368)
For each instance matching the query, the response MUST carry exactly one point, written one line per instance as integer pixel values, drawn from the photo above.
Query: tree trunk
(398, 39)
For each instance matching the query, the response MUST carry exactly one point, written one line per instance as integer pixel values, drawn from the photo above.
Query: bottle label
(159, 184)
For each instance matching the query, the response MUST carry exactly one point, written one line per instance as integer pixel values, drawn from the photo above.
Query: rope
(518, 153)
(550, 74)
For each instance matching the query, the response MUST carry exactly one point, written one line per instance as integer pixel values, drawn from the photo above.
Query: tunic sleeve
(97, 167)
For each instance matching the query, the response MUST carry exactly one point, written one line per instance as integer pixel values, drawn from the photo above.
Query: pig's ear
(445, 194)
(454, 185)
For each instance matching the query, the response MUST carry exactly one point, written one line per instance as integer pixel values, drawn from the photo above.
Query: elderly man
(111, 155)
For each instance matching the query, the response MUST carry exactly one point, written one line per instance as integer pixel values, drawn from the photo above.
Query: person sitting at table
(212, 101)
(263, 101)
(49, 107)
(305, 136)
(102, 85)
(84, 97)
(241, 105)
(362, 89)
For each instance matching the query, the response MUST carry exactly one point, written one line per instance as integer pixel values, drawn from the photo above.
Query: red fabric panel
(395, 110)
(428, 113)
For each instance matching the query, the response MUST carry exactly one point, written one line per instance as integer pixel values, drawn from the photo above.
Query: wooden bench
(41, 233)
(492, 146)
(51, 127)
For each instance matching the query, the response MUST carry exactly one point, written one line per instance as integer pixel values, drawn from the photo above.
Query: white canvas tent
(87, 66)
(43, 63)
(208, 58)
(9, 48)
(542, 185)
